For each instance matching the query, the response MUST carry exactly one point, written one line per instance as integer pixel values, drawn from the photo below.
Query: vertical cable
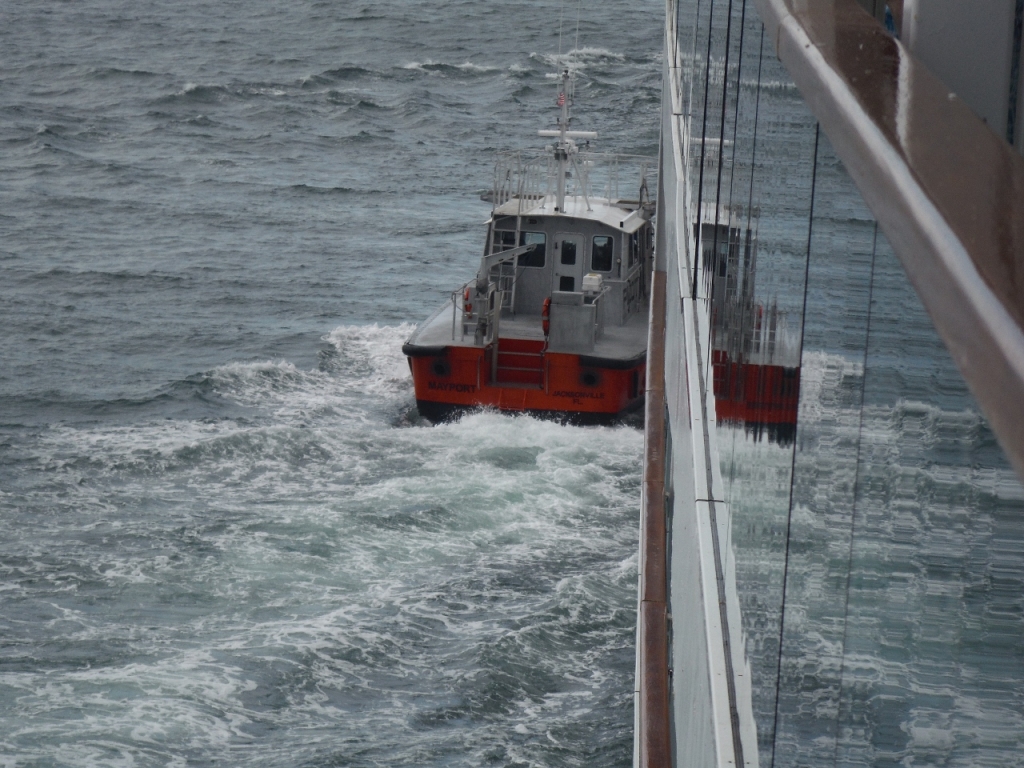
(576, 55)
(856, 489)
(757, 113)
(703, 136)
(693, 58)
(750, 240)
(736, 115)
(558, 61)
(1011, 114)
(718, 186)
(675, 46)
(792, 468)
(561, 13)
(728, 378)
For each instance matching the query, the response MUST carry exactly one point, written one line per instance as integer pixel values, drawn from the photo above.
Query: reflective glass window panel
(536, 257)
(568, 252)
(601, 255)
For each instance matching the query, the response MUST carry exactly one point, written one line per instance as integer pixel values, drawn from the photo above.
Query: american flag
(561, 99)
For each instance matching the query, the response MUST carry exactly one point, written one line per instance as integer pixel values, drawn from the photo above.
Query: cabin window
(634, 248)
(568, 252)
(536, 258)
(601, 255)
(505, 239)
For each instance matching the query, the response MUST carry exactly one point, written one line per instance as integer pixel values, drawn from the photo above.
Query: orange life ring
(466, 306)
(545, 315)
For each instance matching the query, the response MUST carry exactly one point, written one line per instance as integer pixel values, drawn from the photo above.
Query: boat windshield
(601, 255)
(505, 239)
(536, 257)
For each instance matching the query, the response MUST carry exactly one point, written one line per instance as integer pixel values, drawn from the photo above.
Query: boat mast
(565, 148)
(562, 148)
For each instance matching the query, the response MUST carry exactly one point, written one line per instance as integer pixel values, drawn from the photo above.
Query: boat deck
(626, 342)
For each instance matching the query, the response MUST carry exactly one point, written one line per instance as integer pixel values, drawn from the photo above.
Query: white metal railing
(529, 176)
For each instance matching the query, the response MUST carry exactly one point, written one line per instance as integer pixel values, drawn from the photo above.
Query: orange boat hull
(449, 379)
(762, 398)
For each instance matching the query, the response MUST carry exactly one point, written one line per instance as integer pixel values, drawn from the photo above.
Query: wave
(338, 74)
(55, 129)
(118, 276)
(275, 411)
(306, 561)
(315, 190)
(375, 353)
(363, 137)
(578, 58)
(209, 94)
(201, 121)
(441, 68)
(194, 93)
(468, 66)
(103, 73)
(369, 105)
(523, 92)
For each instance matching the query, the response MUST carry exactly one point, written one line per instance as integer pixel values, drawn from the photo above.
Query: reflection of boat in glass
(556, 317)
(755, 360)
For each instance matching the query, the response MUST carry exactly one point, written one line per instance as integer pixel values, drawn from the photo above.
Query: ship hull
(579, 388)
(764, 399)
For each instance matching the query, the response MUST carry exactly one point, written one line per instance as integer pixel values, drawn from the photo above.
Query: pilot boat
(555, 320)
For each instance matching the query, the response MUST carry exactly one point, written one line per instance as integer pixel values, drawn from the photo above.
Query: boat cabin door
(568, 262)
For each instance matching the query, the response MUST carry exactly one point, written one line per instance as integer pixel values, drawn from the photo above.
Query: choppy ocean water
(225, 535)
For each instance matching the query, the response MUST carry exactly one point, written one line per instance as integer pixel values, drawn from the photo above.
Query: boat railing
(633, 294)
(530, 177)
(526, 176)
(466, 319)
(484, 316)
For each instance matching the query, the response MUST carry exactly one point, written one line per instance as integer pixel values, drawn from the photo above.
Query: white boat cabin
(588, 260)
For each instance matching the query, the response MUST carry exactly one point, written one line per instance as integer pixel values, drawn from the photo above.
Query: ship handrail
(460, 291)
(652, 707)
(527, 175)
(944, 187)
(538, 153)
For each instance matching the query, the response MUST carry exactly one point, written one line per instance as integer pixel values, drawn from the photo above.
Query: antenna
(561, 12)
(565, 147)
(576, 50)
